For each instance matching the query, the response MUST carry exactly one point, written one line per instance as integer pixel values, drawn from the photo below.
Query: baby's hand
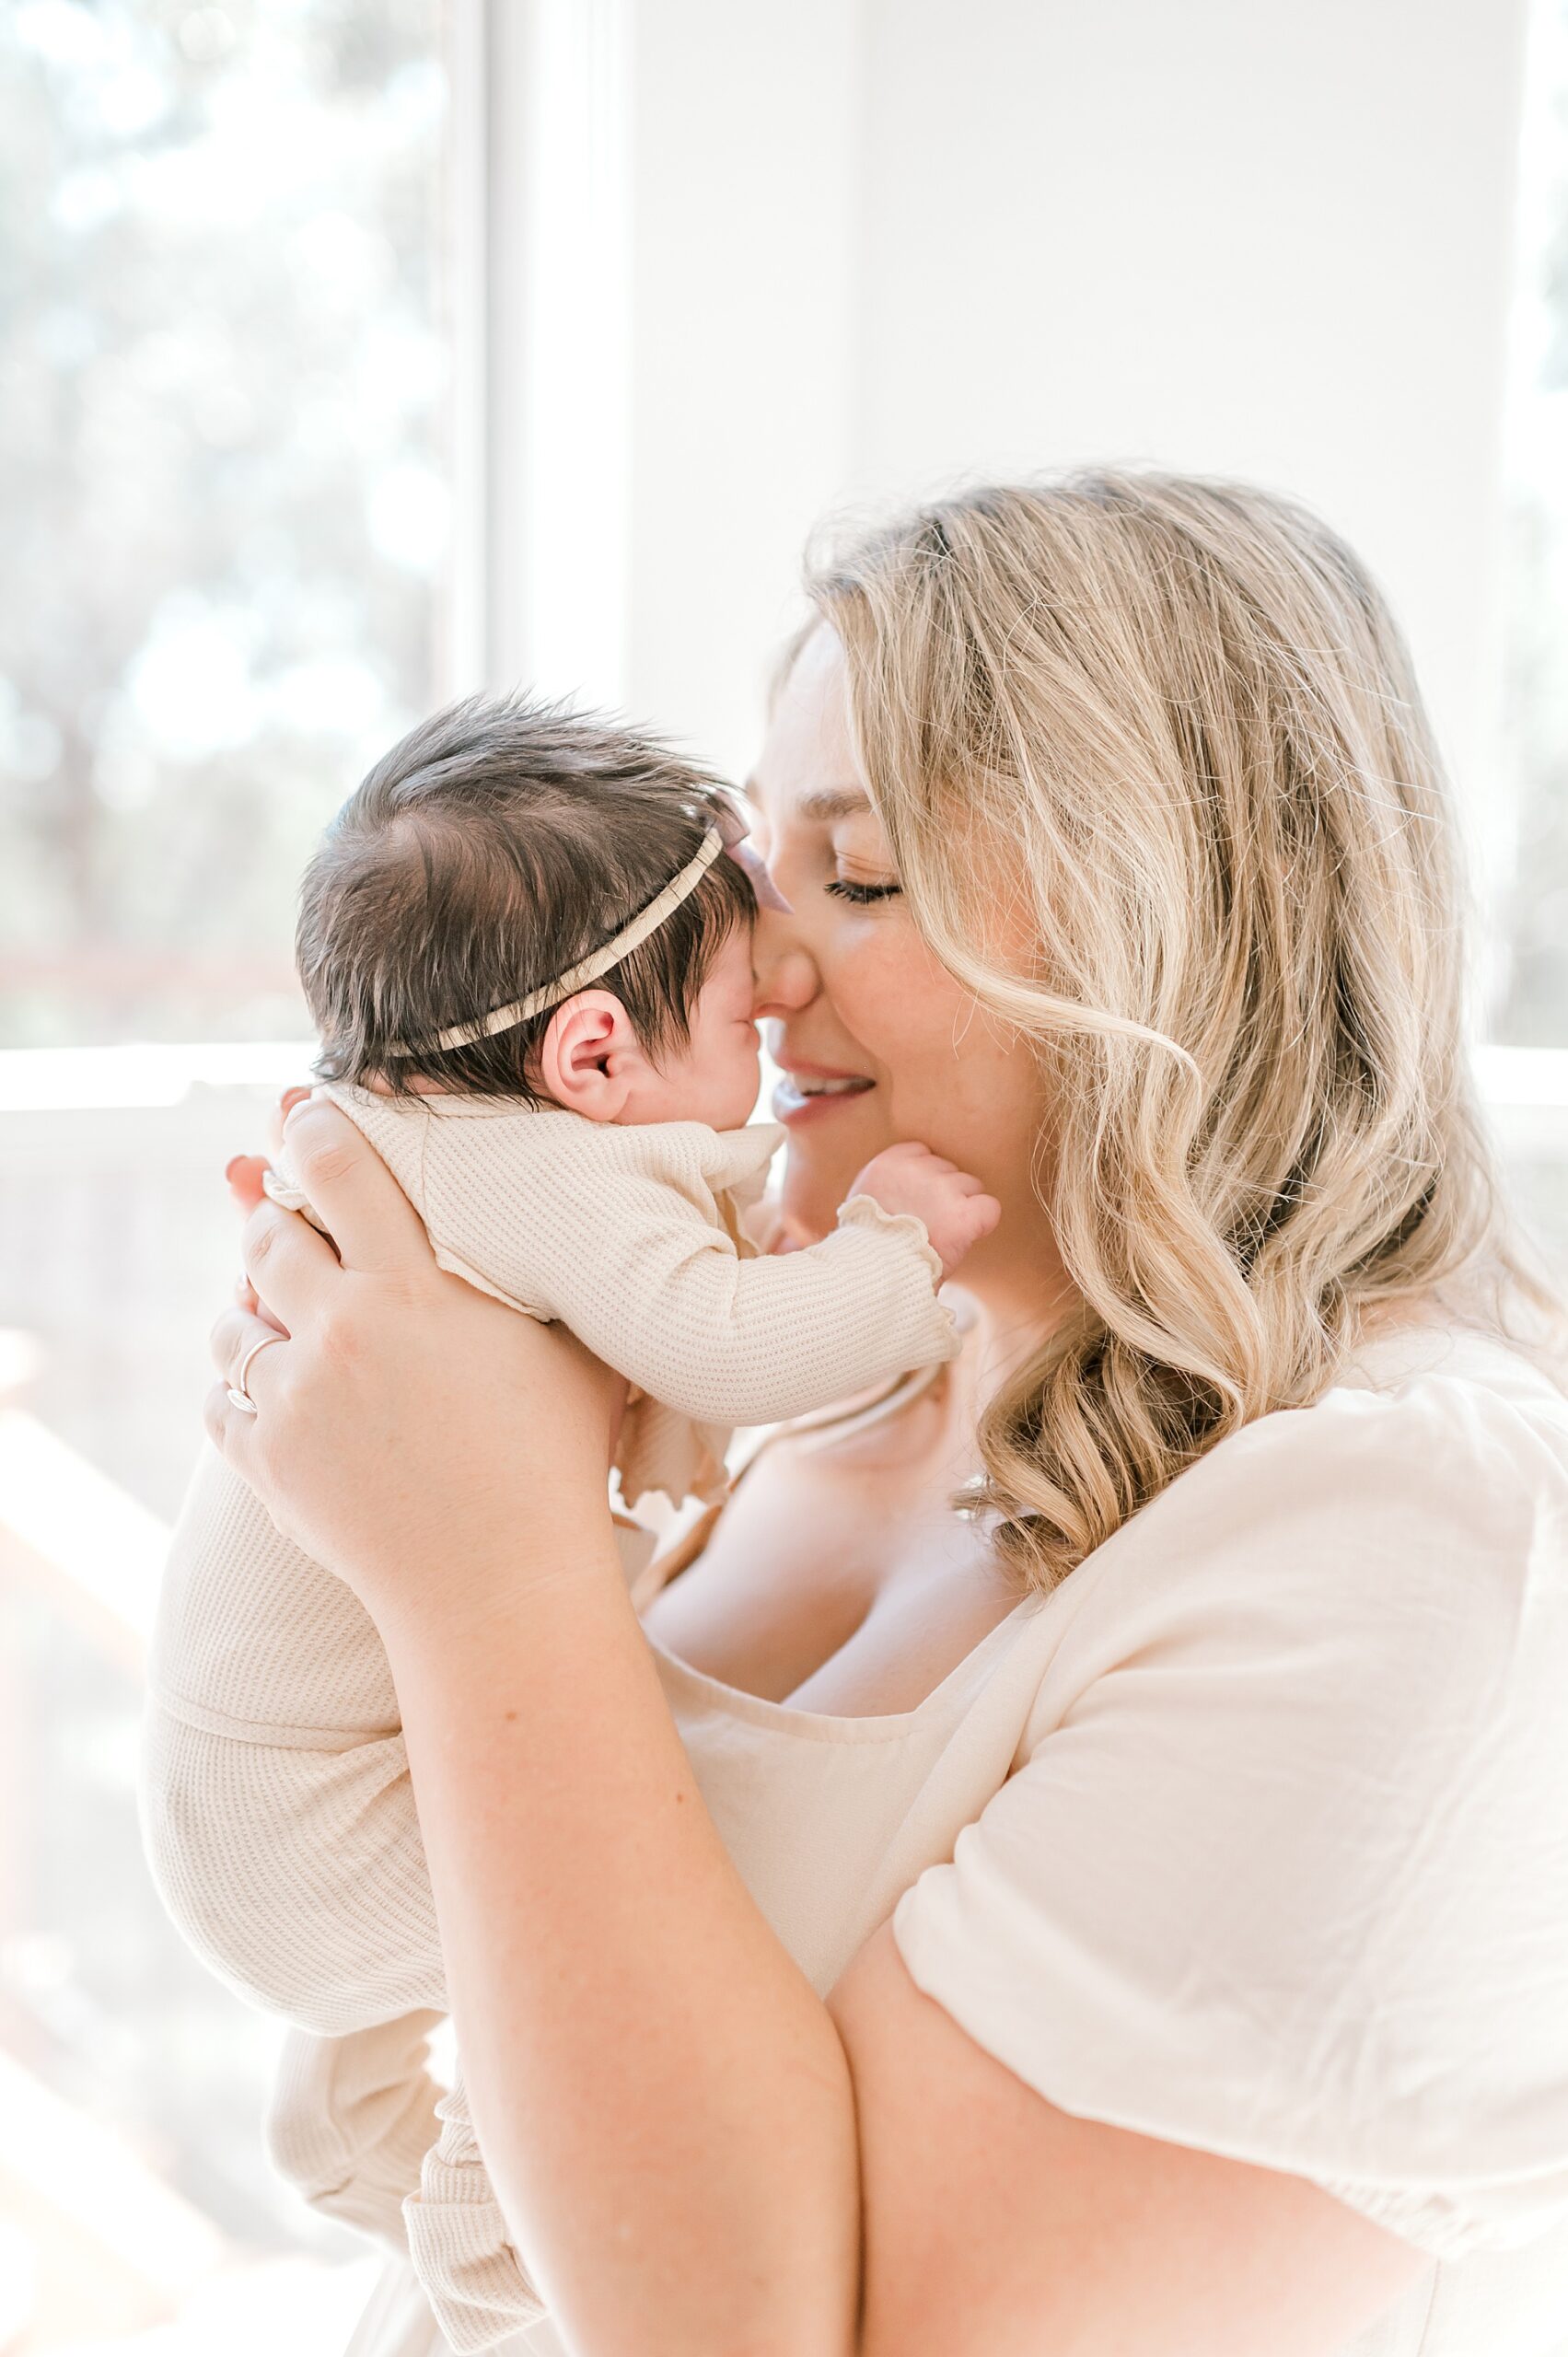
(954, 1205)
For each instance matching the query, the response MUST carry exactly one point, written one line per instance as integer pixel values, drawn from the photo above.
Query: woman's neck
(1009, 1322)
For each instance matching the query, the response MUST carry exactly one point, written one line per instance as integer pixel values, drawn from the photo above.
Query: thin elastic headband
(727, 834)
(506, 1018)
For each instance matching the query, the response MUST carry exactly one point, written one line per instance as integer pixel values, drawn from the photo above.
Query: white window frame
(544, 296)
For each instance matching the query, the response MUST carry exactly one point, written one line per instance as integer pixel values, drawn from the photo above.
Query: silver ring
(239, 1396)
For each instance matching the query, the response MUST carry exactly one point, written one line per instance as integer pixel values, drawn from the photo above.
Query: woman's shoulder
(1411, 1525)
(1439, 1365)
(1436, 1419)
(1282, 1869)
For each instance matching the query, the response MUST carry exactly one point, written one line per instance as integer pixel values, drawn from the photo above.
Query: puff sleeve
(1281, 1870)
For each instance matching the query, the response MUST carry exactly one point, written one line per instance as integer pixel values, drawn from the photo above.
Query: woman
(1078, 1859)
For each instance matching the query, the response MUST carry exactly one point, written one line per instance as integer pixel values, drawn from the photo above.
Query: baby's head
(497, 847)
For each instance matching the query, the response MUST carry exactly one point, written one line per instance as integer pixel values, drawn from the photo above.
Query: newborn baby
(580, 1151)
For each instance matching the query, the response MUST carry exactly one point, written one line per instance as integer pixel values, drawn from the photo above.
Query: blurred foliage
(223, 392)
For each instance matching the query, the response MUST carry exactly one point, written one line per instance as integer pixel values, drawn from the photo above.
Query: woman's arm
(662, 2099)
(686, 2140)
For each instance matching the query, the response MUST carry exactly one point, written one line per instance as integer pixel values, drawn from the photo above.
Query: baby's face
(715, 1079)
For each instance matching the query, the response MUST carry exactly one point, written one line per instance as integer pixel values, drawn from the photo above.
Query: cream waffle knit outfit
(277, 1808)
(1250, 1837)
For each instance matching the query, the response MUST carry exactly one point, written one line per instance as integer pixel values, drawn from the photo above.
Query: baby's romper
(278, 1811)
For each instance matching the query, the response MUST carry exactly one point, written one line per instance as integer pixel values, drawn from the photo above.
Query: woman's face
(877, 1043)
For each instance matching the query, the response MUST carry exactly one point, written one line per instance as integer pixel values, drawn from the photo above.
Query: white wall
(875, 245)
(1237, 236)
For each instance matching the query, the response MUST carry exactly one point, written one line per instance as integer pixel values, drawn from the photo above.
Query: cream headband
(727, 834)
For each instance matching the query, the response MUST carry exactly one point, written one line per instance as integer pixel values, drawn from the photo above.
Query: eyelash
(858, 894)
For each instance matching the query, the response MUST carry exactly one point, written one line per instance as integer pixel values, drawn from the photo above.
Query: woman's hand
(244, 1175)
(411, 1433)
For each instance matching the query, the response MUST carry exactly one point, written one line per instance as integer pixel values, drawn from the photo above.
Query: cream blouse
(1253, 1836)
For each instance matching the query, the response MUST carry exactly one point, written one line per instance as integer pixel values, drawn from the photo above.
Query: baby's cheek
(747, 1083)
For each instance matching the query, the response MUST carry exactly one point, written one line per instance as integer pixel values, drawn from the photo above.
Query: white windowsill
(48, 1080)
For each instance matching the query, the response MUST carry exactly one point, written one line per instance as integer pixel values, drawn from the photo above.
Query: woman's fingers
(244, 1176)
(234, 1332)
(354, 1195)
(279, 1113)
(290, 1265)
(237, 1342)
(244, 1171)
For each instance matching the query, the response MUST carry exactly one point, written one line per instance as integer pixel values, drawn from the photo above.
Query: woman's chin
(814, 1187)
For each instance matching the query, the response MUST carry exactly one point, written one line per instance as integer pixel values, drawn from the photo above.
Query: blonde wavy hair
(1174, 719)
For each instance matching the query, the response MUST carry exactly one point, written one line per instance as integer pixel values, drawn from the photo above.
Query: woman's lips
(805, 1092)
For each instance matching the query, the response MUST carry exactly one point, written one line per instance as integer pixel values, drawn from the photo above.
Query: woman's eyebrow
(834, 802)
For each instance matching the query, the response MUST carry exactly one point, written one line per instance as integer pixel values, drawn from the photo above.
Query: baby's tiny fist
(949, 1202)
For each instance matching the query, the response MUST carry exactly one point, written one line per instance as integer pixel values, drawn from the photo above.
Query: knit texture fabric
(277, 1810)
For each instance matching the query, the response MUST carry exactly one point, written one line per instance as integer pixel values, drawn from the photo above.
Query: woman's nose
(784, 971)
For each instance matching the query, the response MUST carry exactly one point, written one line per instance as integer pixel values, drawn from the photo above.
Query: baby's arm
(639, 1272)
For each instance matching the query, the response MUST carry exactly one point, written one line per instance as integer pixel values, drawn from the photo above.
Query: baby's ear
(590, 1056)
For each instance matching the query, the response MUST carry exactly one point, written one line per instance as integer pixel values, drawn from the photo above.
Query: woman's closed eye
(844, 889)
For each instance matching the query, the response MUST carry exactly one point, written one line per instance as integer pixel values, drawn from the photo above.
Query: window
(1534, 1008)
(1527, 1072)
(224, 464)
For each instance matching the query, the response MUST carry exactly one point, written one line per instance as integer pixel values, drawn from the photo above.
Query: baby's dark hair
(496, 846)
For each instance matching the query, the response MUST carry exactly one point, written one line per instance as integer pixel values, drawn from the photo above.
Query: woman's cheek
(867, 983)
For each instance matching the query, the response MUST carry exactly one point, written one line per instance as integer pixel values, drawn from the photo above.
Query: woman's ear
(589, 1059)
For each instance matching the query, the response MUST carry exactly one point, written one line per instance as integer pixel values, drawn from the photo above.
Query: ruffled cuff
(864, 1211)
(351, 2119)
(291, 1197)
(458, 2243)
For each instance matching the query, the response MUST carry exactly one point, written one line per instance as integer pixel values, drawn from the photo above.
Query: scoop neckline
(881, 1726)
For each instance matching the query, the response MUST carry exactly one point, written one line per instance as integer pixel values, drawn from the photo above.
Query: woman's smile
(806, 1091)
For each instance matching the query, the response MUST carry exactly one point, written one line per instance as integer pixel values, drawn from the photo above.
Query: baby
(527, 942)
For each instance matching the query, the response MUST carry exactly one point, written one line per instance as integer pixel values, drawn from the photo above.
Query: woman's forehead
(822, 804)
(807, 751)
